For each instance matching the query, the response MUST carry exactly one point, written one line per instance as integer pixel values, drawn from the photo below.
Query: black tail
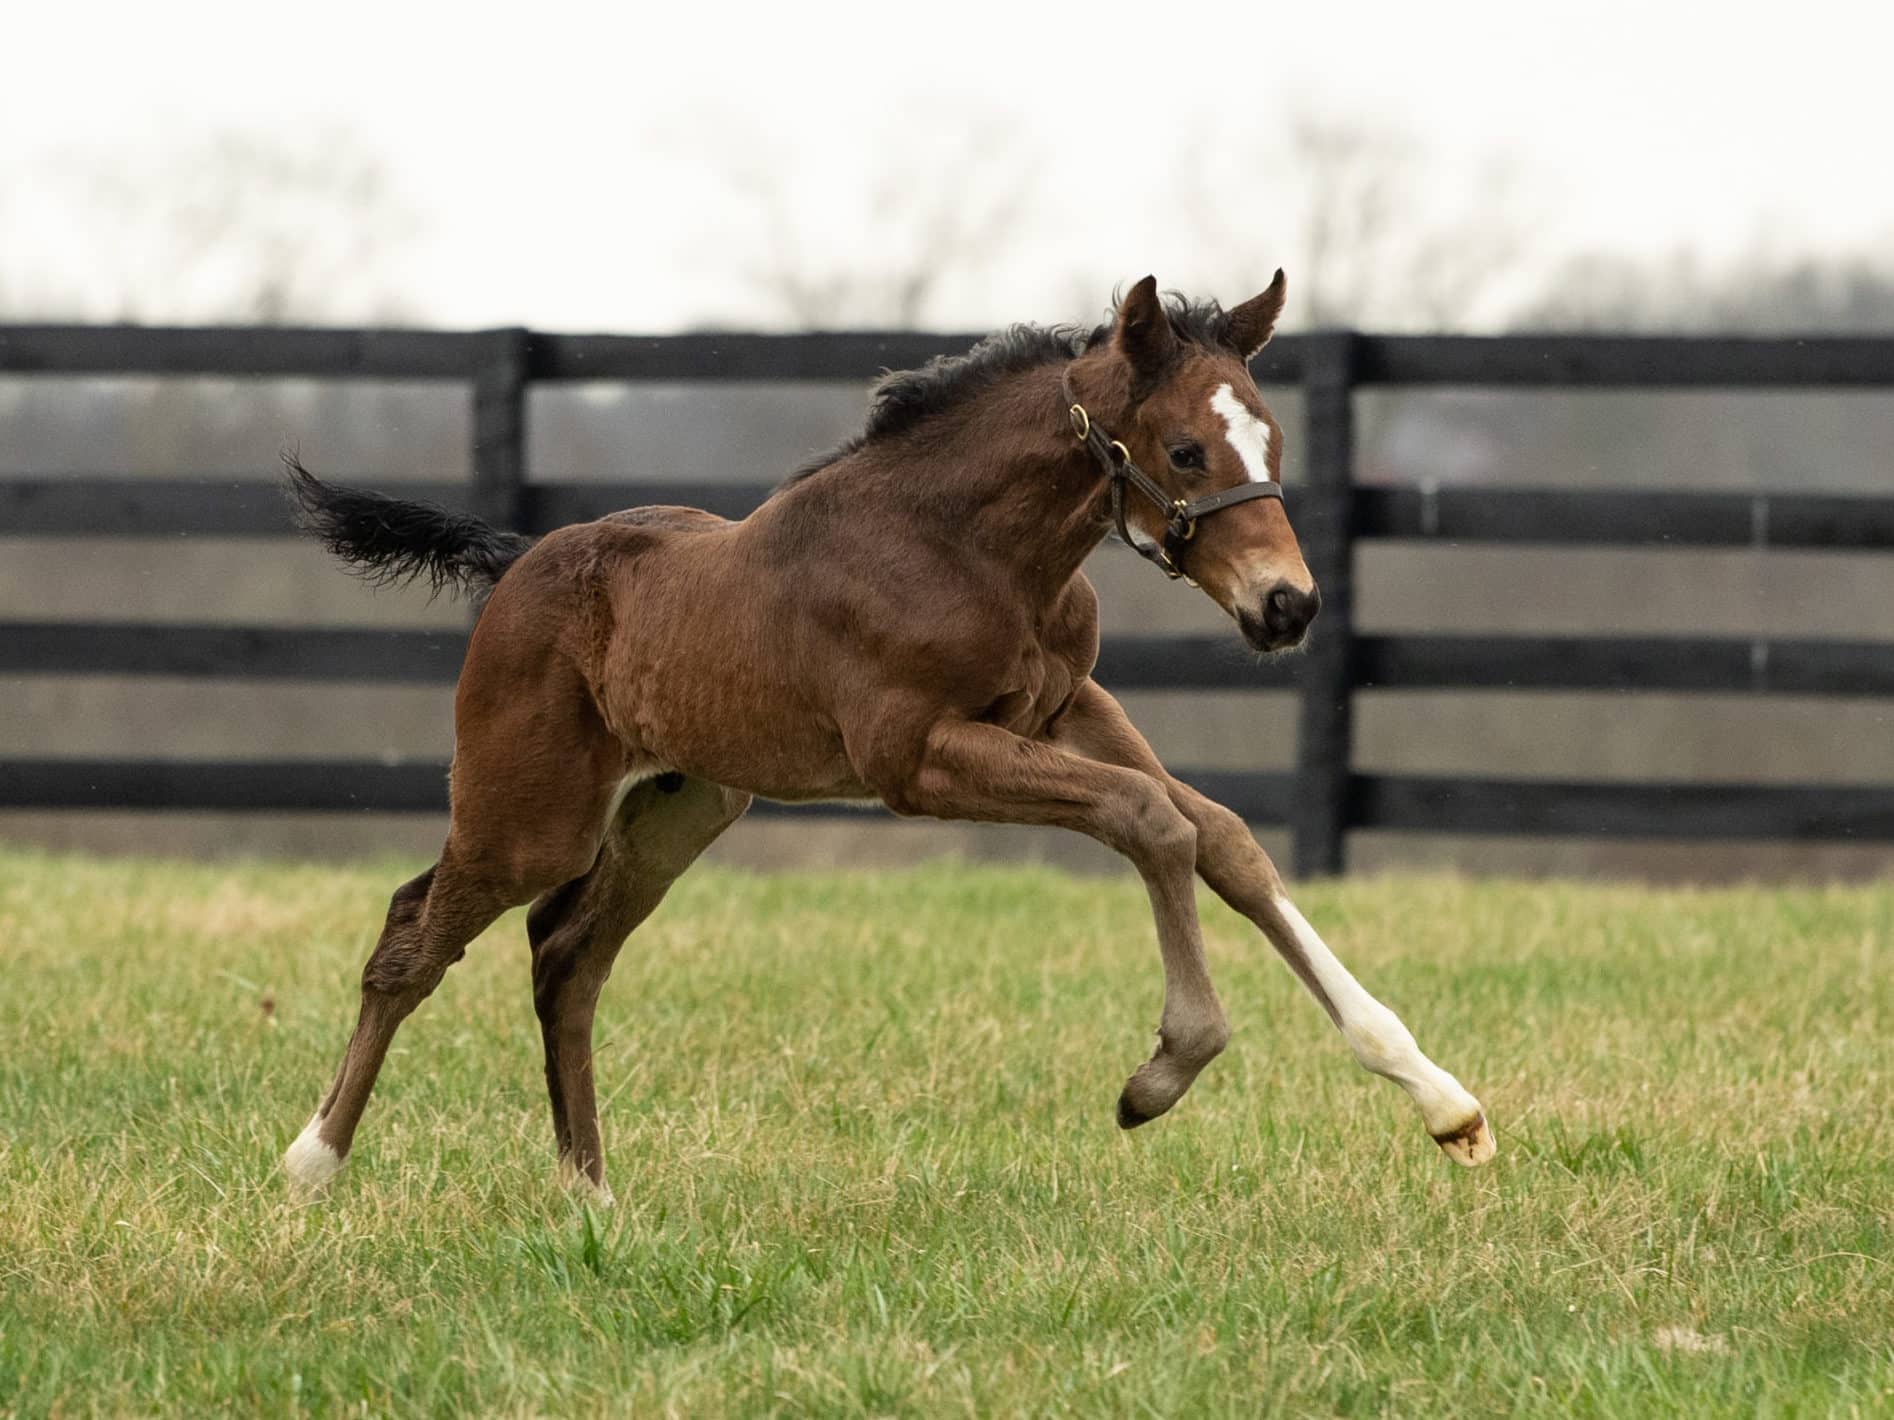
(390, 542)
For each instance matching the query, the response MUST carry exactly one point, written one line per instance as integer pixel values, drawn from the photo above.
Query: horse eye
(1187, 456)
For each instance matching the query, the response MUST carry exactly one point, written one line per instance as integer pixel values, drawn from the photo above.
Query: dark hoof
(1129, 1115)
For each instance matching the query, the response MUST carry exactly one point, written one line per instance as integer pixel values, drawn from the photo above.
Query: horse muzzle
(1280, 621)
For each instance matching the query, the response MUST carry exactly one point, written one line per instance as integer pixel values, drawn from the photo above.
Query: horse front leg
(1237, 869)
(984, 773)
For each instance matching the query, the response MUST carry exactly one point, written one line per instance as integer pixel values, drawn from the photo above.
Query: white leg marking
(310, 1163)
(580, 1184)
(1248, 435)
(1384, 1045)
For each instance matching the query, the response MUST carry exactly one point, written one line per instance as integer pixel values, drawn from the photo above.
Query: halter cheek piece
(1180, 516)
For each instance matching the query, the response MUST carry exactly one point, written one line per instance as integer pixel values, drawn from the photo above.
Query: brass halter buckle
(1081, 422)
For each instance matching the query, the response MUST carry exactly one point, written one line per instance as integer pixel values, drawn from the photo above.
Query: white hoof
(1471, 1144)
(310, 1163)
(579, 1184)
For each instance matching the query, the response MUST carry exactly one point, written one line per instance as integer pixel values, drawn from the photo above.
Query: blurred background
(1493, 169)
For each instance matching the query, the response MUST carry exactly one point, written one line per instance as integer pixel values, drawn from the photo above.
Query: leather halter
(1180, 515)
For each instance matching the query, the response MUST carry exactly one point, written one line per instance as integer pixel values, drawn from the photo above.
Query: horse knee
(405, 904)
(1157, 835)
(396, 965)
(431, 919)
(404, 973)
(1220, 832)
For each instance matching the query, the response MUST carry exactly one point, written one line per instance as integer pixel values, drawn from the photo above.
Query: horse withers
(903, 620)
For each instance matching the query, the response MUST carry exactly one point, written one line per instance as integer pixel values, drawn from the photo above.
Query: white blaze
(1248, 435)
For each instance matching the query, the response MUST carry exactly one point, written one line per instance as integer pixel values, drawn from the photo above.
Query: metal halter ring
(1081, 421)
(1124, 454)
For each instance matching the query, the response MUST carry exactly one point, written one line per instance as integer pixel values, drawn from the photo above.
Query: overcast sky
(569, 165)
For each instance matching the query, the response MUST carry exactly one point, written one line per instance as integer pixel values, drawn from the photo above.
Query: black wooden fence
(1320, 802)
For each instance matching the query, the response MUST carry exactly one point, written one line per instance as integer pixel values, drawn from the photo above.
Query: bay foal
(904, 621)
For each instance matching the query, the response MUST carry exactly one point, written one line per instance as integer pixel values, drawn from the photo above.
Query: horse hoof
(1129, 1115)
(1471, 1144)
(579, 1184)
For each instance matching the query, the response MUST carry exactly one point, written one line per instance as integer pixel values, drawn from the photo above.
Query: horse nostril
(1288, 612)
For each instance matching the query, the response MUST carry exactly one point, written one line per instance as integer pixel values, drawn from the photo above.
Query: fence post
(498, 489)
(1324, 518)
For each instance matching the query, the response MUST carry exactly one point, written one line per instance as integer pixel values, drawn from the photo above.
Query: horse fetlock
(1197, 1043)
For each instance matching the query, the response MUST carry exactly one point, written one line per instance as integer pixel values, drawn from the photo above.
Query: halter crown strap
(1180, 515)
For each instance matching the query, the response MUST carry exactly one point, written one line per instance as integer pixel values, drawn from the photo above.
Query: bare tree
(937, 205)
(1372, 231)
(226, 227)
(1756, 295)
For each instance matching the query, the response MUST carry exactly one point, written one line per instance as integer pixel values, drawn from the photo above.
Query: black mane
(901, 399)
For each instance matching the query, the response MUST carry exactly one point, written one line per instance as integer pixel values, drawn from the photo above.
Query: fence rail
(1526, 361)
(1321, 801)
(1408, 662)
(82, 506)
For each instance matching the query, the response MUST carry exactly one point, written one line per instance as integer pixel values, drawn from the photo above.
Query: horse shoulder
(1071, 630)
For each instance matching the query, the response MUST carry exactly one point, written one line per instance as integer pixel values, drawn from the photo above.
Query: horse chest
(1042, 686)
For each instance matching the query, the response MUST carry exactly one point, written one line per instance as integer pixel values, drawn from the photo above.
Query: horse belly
(782, 758)
(685, 696)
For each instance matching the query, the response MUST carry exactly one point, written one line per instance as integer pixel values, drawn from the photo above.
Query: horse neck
(1009, 480)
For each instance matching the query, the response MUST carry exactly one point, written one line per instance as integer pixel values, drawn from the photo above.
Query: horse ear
(1144, 335)
(1251, 324)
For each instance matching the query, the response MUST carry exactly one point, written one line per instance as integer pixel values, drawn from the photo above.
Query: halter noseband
(1180, 516)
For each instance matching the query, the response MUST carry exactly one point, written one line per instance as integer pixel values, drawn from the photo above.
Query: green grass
(860, 1128)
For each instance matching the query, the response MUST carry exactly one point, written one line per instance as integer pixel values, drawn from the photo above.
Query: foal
(905, 621)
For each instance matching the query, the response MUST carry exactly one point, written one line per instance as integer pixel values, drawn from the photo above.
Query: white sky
(558, 156)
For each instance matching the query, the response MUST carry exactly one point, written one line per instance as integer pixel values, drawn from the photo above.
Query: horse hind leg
(430, 921)
(522, 822)
(576, 931)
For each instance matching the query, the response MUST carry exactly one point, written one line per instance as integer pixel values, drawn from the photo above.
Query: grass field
(860, 1128)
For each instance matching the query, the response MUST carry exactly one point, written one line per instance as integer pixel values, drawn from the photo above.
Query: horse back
(666, 517)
